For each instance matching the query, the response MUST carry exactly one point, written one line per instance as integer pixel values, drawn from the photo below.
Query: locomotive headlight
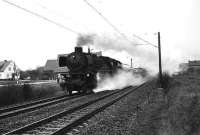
(88, 75)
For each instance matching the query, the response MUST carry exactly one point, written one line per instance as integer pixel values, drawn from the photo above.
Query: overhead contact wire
(115, 28)
(145, 41)
(41, 16)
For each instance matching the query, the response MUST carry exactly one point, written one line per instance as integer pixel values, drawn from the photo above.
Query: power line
(113, 26)
(69, 29)
(41, 16)
(116, 29)
(145, 41)
(60, 14)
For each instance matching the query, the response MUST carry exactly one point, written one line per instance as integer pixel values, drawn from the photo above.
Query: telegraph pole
(160, 64)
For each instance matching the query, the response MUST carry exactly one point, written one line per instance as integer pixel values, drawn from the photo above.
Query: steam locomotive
(83, 69)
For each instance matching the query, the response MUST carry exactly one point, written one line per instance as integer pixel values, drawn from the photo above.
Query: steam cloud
(120, 80)
(144, 55)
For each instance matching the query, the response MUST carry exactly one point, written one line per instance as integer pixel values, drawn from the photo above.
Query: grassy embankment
(174, 110)
(13, 94)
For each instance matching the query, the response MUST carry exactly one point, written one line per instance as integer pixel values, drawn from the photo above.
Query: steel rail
(87, 116)
(31, 103)
(59, 115)
(33, 106)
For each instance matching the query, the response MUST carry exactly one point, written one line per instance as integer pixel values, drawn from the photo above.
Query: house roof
(51, 65)
(3, 65)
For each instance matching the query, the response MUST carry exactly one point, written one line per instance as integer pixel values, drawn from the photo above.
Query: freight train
(83, 68)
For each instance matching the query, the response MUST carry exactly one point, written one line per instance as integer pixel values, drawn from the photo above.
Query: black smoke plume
(85, 39)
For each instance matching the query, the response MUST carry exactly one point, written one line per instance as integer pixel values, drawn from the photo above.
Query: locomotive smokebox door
(78, 49)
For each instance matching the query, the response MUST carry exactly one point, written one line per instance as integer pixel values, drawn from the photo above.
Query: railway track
(13, 111)
(64, 121)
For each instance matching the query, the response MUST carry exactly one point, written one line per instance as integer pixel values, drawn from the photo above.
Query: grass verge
(175, 112)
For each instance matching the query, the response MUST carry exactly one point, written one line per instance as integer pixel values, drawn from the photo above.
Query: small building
(194, 66)
(183, 67)
(191, 66)
(51, 67)
(9, 70)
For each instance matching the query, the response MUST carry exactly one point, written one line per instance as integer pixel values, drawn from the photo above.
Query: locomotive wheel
(63, 87)
(82, 91)
(89, 91)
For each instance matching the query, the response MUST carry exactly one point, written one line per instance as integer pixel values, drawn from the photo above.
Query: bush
(166, 81)
(12, 94)
(193, 116)
(183, 115)
(27, 91)
(179, 114)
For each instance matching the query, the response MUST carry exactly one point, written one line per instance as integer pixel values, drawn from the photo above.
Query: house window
(9, 68)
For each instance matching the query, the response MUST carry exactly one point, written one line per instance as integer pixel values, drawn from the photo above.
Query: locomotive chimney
(131, 63)
(78, 49)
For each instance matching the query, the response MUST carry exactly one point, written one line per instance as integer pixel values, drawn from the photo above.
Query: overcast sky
(30, 41)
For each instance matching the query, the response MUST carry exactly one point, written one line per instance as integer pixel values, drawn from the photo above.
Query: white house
(8, 70)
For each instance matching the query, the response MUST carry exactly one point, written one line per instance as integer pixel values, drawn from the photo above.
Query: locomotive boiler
(83, 68)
